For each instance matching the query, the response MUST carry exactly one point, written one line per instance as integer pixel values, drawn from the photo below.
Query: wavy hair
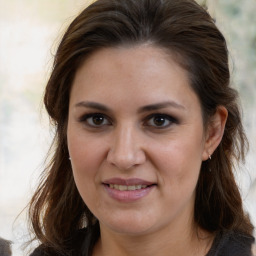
(183, 29)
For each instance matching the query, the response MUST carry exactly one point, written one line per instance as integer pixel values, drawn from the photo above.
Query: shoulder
(43, 250)
(232, 243)
(39, 251)
(74, 244)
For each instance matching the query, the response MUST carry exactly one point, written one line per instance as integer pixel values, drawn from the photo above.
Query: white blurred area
(29, 34)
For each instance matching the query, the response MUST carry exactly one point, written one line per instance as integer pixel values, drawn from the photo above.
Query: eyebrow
(147, 108)
(94, 105)
(161, 105)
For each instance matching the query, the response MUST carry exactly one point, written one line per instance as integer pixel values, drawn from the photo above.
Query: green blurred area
(237, 20)
(239, 23)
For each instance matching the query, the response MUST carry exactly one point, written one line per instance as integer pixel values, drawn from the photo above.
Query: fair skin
(136, 141)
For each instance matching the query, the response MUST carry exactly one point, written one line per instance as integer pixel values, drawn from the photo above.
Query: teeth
(132, 187)
(122, 188)
(127, 188)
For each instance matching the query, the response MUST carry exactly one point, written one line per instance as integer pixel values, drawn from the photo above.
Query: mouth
(127, 188)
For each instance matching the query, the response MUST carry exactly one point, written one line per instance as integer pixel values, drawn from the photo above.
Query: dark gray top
(229, 243)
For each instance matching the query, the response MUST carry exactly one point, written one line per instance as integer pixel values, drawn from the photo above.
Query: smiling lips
(127, 190)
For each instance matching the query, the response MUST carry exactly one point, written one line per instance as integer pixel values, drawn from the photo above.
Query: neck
(166, 242)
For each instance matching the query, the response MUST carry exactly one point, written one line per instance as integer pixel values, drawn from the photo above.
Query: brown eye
(160, 121)
(98, 120)
(95, 120)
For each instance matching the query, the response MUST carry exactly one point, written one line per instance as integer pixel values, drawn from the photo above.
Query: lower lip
(128, 195)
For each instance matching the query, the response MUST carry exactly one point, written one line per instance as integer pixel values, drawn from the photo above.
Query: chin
(131, 231)
(129, 226)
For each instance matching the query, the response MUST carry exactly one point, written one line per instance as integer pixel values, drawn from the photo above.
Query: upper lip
(127, 182)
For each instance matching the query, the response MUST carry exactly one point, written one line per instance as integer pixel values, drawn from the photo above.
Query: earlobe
(215, 131)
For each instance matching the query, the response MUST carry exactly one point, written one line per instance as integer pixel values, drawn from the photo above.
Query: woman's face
(136, 139)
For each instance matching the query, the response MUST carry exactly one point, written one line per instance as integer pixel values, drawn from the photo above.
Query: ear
(214, 131)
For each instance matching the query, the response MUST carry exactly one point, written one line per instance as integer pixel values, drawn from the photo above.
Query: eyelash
(166, 118)
(85, 118)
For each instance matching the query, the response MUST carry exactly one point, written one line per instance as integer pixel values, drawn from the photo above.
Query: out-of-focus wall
(29, 33)
(237, 20)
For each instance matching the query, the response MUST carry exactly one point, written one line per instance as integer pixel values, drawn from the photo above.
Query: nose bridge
(124, 136)
(125, 150)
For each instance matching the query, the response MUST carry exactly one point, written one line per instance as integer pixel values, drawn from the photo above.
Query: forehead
(142, 74)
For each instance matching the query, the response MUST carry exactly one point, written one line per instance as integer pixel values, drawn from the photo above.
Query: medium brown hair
(185, 30)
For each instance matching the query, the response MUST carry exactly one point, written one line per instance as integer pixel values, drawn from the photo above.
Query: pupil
(159, 121)
(98, 120)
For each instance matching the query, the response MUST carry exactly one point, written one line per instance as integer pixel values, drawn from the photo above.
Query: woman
(147, 132)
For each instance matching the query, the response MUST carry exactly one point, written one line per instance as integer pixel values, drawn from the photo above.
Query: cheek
(85, 151)
(86, 159)
(86, 155)
(179, 161)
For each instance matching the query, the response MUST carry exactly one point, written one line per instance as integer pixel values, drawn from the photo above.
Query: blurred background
(29, 34)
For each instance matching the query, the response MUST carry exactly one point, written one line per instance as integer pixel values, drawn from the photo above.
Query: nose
(126, 150)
